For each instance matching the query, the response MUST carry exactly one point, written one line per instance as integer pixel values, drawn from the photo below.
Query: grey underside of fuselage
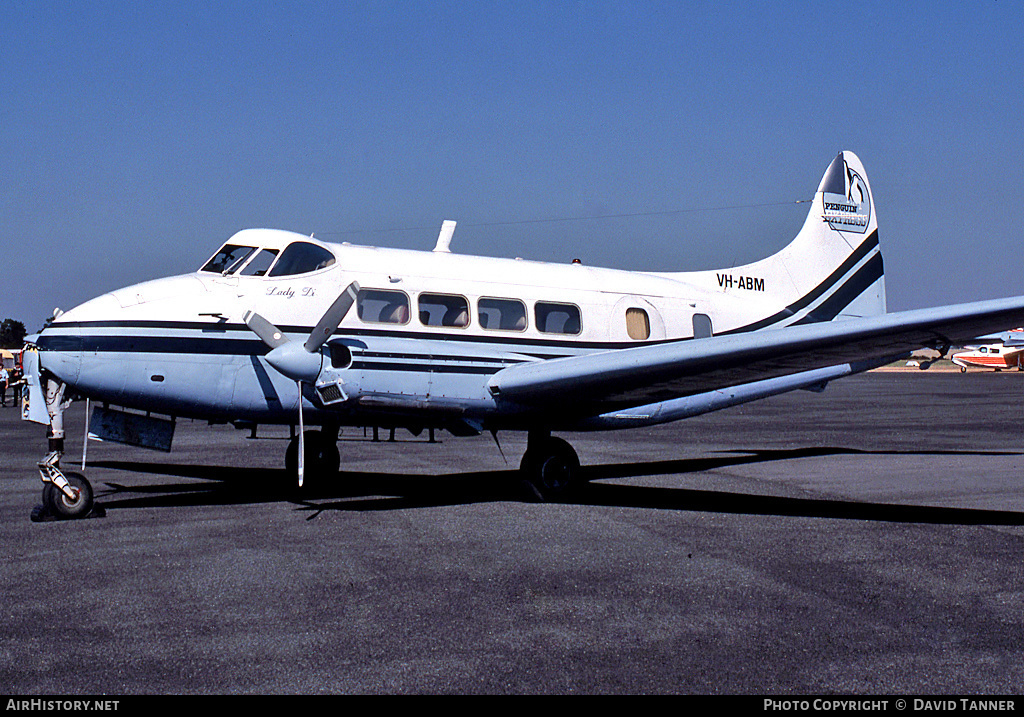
(400, 379)
(220, 374)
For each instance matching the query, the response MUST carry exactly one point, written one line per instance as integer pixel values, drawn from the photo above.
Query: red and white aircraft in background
(1008, 352)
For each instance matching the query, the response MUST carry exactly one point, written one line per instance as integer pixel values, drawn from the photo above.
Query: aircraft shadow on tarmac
(368, 491)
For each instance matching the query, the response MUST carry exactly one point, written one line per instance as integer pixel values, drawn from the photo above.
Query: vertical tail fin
(831, 270)
(836, 259)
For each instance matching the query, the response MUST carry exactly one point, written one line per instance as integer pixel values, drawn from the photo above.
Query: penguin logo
(847, 203)
(856, 193)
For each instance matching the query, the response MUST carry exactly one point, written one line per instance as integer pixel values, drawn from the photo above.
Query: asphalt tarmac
(865, 540)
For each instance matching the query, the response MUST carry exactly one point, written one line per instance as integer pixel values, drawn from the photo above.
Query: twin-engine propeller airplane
(265, 333)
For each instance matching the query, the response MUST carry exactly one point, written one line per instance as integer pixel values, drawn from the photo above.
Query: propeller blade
(302, 438)
(332, 318)
(269, 333)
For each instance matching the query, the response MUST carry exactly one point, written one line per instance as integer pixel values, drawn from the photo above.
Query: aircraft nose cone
(61, 342)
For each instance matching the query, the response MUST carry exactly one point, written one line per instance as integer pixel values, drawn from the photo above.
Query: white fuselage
(179, 345)
(426, 334)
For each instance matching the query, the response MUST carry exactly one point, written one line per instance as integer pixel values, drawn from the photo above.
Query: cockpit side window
(300, 258)
(229, 258)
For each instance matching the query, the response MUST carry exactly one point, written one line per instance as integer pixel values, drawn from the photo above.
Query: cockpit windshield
(260, 263)
(229, 258)
(299, 257)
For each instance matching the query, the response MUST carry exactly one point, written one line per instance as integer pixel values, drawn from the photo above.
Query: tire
(552, 468)
(322, 458)
(59, 505)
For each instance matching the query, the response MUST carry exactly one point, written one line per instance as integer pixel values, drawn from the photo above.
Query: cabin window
(702, 328)
(502, 314)
(554, 318)
(638, 324)
(443, 310)
(229, 258)
(260, 263)
(301, 257)
(380, 306)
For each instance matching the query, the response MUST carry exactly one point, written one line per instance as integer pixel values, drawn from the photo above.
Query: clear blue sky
(137, 136)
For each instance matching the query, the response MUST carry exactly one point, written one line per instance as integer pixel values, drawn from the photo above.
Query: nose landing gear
(65, 495)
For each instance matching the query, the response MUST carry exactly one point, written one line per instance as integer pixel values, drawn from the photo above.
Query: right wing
(596, 383)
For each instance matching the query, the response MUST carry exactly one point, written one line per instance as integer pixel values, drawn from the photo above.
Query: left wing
(610, 380)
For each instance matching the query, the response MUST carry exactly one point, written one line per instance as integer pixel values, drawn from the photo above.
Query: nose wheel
(60, 504)
(65, 495)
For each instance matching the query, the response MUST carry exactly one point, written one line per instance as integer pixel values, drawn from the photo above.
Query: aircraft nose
(61, 342)
(60, 353)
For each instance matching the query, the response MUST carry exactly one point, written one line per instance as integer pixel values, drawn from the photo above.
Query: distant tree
(12, 334)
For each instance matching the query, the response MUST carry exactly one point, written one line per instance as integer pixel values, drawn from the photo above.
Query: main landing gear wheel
(322, 458)
(61, 506)
(551, 469)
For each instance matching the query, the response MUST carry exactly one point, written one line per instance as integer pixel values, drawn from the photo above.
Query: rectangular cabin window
(443, 310)
(554, 318)
(638, 324)
(259, 265)
(380, 306)
(502, 314)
